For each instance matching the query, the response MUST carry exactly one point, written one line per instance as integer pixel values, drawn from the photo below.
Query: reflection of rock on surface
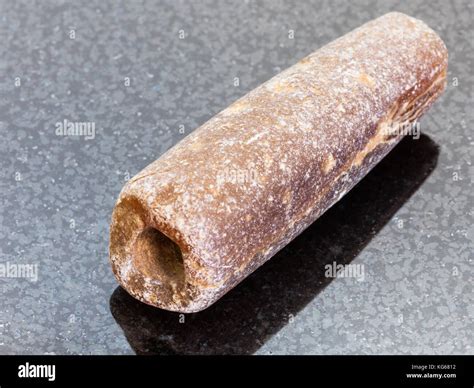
(260, 306)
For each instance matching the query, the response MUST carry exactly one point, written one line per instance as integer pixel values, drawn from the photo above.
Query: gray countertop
(145, 74)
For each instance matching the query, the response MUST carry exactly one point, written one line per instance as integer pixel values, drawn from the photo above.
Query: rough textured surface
(305, 138)
(417, 295)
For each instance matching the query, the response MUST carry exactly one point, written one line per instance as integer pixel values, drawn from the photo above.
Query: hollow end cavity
(147, 263)
(158, 257)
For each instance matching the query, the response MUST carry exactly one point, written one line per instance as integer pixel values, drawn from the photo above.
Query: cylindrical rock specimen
(216, 206)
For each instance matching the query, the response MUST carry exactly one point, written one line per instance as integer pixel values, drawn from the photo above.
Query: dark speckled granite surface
(147, 73)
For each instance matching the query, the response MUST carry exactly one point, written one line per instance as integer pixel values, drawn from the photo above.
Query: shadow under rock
(246, 317)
